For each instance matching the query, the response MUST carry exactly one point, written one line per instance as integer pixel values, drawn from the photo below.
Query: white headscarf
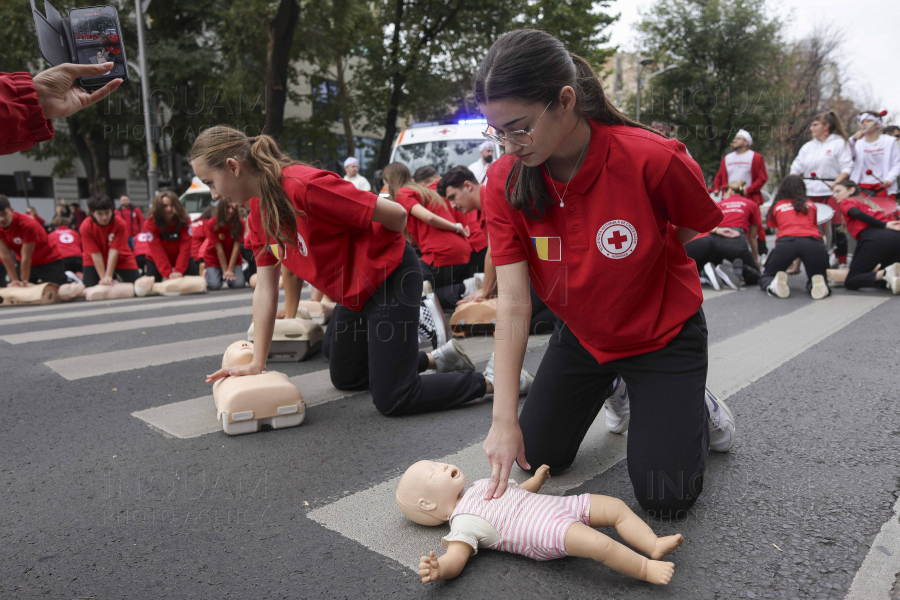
(746, 135)
(485, 145)
(350, 161)
(863, 116)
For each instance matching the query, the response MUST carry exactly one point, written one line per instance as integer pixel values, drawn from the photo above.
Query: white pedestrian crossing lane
(371, 517)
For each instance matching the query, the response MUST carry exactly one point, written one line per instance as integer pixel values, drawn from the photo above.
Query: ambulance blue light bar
(473, 122)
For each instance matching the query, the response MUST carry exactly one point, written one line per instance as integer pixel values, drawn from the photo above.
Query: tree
(579, 24)
(278, 63)
(728, 54)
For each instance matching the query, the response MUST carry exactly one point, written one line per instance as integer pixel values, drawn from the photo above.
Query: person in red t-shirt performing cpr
(24, 241)
(68, 244)
(594, 210)
(169, 254)
(348, 244)
(104, 243)
(798, 237)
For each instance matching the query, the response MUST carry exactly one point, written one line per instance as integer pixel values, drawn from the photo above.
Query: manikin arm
(534, 484)
(432, 568)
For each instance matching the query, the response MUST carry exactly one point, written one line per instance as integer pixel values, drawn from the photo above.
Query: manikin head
(428, 492)
(238, 353)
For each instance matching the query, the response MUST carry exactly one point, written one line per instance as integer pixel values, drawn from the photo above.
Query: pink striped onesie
(529, 524)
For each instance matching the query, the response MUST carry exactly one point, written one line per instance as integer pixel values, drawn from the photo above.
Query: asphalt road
(99, 503)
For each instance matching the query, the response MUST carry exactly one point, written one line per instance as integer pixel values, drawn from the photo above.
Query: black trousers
(152, 271)
(543, 320)
(668, 437)
(141, 260)
(448, 280)
(72, 263)
(52, 272)
(874, 247)
(477, 261)
(811, 251)
(92, 278)
(377, 349)
(716, 248)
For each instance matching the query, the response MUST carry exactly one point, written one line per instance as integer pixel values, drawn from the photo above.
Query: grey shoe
(728, 277)
(452, 357)
(618, 408)
(526, 378)
(721, 424)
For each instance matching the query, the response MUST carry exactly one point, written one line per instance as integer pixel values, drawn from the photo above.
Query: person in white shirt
(822, 162)
(877, 157)
(351, 168)
(480, 166)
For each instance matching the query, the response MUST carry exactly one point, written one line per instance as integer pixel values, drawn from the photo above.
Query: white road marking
(95, 365)
(197, 416)
(371, 517)
(876, 577)
(128, 325)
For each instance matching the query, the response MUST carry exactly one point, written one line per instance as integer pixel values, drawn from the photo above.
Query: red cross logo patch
(617, 239)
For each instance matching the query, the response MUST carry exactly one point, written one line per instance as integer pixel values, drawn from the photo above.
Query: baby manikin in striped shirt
(527, 523)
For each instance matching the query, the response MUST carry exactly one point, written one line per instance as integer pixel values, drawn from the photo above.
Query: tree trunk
(397, 81)
(278, 60)
(93, 151)
(344, 101)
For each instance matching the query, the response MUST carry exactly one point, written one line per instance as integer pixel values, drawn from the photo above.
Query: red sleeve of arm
(336, 199)
(120, 240)
(184, 249)
(157, 250)
(264, 258)
(506, 246)
(407, 199)
(21, 116)
(760, 174)
(682, 195)
(88, 243)
(721, 179)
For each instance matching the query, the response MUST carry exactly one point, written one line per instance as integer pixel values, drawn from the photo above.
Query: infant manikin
(189, 284)
(527, 523)
(245, 403)
(41, 293)
(109, 292)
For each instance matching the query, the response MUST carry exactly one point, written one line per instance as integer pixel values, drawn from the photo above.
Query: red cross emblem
(617, 239)
(445, 131)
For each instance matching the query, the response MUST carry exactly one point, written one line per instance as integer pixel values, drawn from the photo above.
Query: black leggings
(377, 349)
(92, 278)
(810, 250)
(874, 247)
(668, 436)
(543, 320)
(72, 263)
(716, 248)
(51, 272)
(152, 271)
(448, 280)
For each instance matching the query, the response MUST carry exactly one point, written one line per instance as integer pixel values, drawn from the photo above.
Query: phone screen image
(98, 40)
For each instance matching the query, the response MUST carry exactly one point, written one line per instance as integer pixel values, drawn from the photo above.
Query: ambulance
(196, 198)
(441, 145)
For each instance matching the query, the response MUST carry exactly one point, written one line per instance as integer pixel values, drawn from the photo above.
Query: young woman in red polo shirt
(595, 209)
(170, 241)
(794, 216)
(104, 243)
(877, 236)
(224, 234)
(348, 244)
(443, 241)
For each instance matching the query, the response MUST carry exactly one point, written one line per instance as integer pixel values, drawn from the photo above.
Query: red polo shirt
(439, 248)
(170, 250)
(609, 263)
(474, 220)
(855, 226)
(791, 223)
(100, 240)
(198, 235)
(67, 241)
(740, 212)
(342, 252)
(221, 235)
(25, 230)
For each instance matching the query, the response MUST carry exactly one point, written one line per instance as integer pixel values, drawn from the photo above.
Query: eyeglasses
(520, 137)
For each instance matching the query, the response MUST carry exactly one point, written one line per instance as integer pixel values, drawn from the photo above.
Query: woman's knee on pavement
(664, 495)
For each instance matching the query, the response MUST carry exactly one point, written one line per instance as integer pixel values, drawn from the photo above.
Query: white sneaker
(479, 279)
(618, 409)
(727, 278)
(892, 277)
(427, 288)
(471, 286)
(431, 322)
(704, 280)
(452, 357)
(526, 378)
(73, 278)
(819, 288)
(779, 286)
(711, 275)
(721, 424)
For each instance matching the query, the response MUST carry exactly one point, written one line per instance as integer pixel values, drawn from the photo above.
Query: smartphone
(98, 39)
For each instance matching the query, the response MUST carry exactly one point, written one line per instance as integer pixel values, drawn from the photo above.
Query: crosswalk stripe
(876, 578)
(129, 325)
(95, 365)
(208, 299)
(197, 416)
(371, 517)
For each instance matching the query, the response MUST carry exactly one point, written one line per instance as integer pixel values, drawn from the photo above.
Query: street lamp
(152, 176)
(641, 82)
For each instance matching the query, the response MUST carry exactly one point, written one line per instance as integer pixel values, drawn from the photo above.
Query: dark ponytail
(533, 66)
(791, 188)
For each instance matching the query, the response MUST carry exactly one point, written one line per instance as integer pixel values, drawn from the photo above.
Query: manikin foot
(659, 572)
(665, 545)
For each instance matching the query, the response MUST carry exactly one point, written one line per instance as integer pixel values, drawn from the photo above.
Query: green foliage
(19, 49)
(728, 54)
(579, 24)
